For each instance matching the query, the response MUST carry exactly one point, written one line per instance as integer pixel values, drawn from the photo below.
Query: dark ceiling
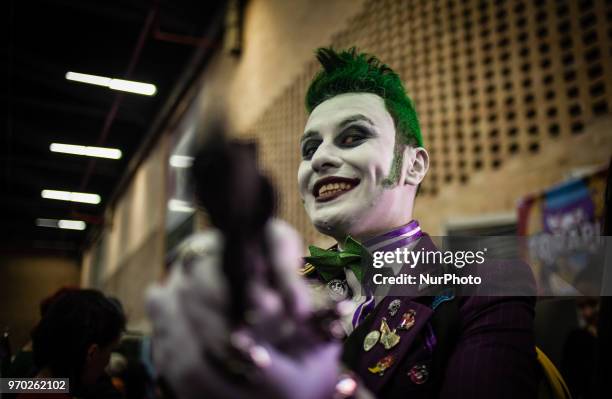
(148, 41)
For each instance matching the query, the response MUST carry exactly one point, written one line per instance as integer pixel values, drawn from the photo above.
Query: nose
(325, 158)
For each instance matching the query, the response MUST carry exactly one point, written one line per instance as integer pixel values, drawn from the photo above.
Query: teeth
(333, 188)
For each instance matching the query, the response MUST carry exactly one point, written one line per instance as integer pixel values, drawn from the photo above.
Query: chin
(334, 224)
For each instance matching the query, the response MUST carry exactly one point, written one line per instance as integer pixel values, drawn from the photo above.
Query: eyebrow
(354, 118)
(309, 134)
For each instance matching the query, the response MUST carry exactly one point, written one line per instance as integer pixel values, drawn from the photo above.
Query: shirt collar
(396, 238)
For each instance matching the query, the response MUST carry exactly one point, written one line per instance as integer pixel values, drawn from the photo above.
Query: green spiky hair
(351, 72)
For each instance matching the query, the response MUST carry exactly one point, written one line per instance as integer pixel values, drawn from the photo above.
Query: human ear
(416, 165)
(92, 352)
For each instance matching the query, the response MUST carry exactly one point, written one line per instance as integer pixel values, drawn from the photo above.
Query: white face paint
(347, 153)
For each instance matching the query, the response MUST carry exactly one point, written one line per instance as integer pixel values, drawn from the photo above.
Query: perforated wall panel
(491, 80)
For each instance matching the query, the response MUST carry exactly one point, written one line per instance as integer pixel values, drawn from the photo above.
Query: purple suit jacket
(492, 354)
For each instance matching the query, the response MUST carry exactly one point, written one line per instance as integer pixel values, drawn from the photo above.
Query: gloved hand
(192, 337)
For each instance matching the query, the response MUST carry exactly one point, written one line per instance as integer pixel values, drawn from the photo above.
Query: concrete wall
(24, 282)
(129, 254)
(279, 39)
(498, 191)
(507, 107)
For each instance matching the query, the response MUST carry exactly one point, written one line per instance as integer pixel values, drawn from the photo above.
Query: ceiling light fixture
(46, 222)
(129, 86)
(62, 224)
(99, 152)
(176, 205)
(71, 224)
(181, 161)
(71, 196)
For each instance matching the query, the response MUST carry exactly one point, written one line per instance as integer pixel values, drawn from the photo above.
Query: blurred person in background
(23, 363)
(74, 340)
(129, 369)
(5, 352)
(580, 350)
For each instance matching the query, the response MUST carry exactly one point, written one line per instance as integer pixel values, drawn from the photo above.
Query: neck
(368, 235)
(396, 213)
(388, 236)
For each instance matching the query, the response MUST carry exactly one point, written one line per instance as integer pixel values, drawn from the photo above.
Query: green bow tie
(330, 263)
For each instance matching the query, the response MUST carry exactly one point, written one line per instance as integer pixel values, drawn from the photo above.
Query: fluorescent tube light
(146, 89)
(99, 152)
(71, 224)
(176, 205)
(61, 224)
(71, 196)
(46, 222)
(181, 161)
(86, 78)
(130, 86)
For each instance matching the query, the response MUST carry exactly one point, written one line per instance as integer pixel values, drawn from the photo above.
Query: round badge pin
(394, 307)
(408, 320)
(419, 374)
(338, 289)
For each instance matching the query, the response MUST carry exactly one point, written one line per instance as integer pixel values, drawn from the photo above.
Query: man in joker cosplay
(363, 159)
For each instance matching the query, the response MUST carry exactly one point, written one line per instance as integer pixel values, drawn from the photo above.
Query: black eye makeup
(353, 136)
(309, 147)
(350, 136)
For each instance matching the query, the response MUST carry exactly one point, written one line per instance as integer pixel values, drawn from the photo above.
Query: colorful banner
(573, 214)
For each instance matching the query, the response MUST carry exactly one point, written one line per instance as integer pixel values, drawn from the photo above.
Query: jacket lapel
(360, 361)
(354, 354)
